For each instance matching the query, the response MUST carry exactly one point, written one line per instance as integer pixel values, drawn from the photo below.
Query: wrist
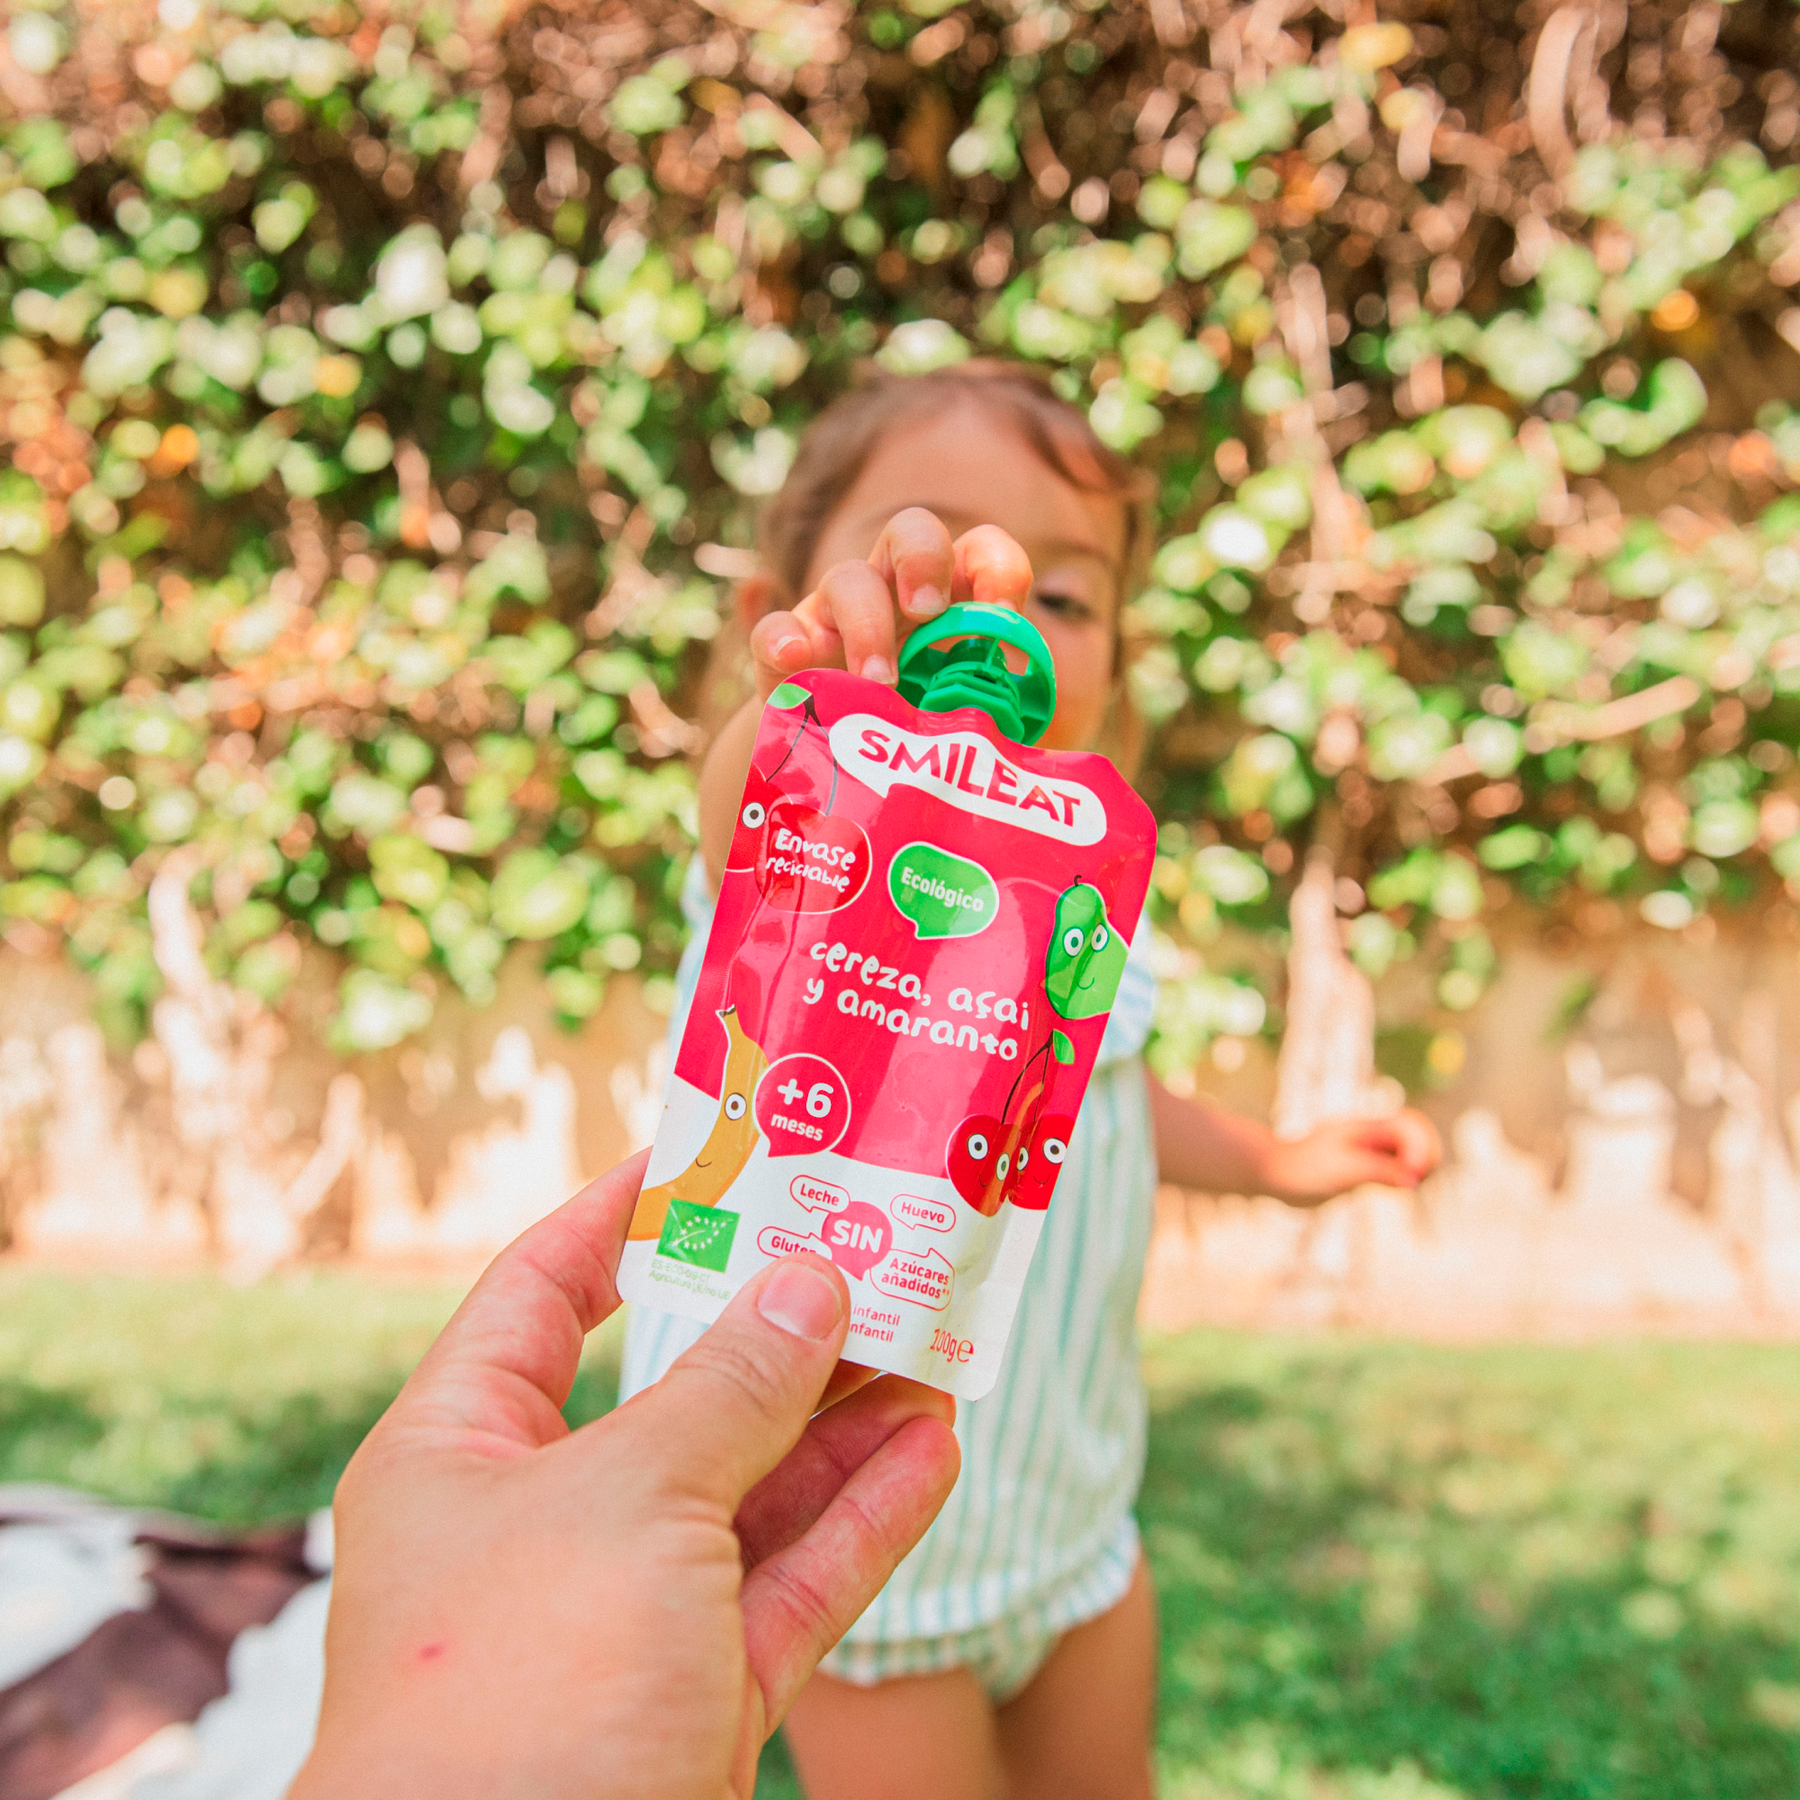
(1281, 1178)
(316, 1780)
(351, 1762)
(1266, 1155)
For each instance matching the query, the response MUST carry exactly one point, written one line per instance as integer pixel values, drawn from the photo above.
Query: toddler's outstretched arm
(1216, 1152)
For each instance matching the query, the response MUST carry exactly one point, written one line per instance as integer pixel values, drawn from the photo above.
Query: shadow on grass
(53, 1421)
(241, 1465)
(1336, 1627)
(1396, 1573)
(273, 1457)
(237, 1405)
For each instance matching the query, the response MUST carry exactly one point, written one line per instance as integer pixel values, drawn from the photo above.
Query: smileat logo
(963, 768)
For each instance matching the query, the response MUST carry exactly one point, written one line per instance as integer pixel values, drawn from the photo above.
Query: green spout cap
(959, 659)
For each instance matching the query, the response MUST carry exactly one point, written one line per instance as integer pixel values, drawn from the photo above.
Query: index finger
(992, 568)
(502, 1368)
(915, 556)
(852, 611)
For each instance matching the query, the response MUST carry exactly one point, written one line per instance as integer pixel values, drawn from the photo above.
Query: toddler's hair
(838, 444)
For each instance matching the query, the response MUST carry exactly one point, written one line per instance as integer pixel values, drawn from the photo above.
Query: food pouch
(919, 934)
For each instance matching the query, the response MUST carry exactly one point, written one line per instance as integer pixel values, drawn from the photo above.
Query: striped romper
(1038, 1534)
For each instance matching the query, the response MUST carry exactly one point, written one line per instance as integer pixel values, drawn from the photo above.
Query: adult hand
(627, 1609)
(1399, 1150)
(851, 619)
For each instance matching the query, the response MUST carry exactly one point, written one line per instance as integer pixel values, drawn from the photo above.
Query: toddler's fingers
(1407, 1140)
(853, 602)
(782, 645)
(992, 568)
(914, 554)
(1417, 1141)
(1379, 1157)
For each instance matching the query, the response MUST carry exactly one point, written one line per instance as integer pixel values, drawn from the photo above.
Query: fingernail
(878, 668)
(802, 1301)
(927, 602)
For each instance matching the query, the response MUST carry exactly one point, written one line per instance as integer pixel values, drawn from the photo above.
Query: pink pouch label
(918, 937)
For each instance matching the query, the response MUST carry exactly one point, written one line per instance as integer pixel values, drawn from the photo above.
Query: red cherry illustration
(974, 1146)
(760, 794)
(1040, 1162)
(809, 861)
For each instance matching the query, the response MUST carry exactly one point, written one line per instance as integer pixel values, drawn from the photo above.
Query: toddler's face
(970, 468)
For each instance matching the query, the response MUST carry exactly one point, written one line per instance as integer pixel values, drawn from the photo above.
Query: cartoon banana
(721, 1159)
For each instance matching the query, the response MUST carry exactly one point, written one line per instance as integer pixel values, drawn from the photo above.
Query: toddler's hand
(627, 1609)
(850, 619)
(1397, 1151)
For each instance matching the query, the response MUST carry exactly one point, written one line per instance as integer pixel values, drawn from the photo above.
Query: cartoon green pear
(1086, 957)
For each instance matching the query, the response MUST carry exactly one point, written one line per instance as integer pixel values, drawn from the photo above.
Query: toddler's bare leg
(1081, 1729)
(916, 1735)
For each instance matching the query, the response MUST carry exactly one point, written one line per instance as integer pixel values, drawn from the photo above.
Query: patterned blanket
(144, 1656)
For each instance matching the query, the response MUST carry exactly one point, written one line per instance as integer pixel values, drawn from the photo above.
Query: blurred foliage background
(389, 389)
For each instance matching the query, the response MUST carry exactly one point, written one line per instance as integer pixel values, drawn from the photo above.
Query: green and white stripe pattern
(1038, 1534)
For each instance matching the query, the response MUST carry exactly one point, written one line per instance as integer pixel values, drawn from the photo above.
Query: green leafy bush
(387, 387)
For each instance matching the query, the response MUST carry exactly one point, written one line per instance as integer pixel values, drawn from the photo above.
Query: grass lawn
(1388, 1572)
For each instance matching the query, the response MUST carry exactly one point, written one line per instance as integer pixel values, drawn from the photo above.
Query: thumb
(735, 1404)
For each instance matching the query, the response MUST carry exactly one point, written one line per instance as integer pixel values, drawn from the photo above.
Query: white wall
(1633, 1172)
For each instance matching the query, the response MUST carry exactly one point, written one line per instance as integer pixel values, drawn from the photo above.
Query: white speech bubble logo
(777, 1241)
(923, 1215)
(923, 1277)
(818, 1196)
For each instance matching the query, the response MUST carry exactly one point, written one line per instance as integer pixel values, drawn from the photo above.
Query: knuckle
(745, 1370)
(866, 1532)
(803, 1601)
(849, 580)
(769, 631)
(921, 526)
(924, 559)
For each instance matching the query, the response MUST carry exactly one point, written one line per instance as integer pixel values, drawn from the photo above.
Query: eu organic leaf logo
(701, 1235)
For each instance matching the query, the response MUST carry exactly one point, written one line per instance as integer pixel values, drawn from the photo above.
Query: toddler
(1014, 1651)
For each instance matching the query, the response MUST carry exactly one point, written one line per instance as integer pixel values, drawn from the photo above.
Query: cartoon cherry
(971, 1159)
(1040, 1162)
(760, 793)
(986, 1156)
(749, 830)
